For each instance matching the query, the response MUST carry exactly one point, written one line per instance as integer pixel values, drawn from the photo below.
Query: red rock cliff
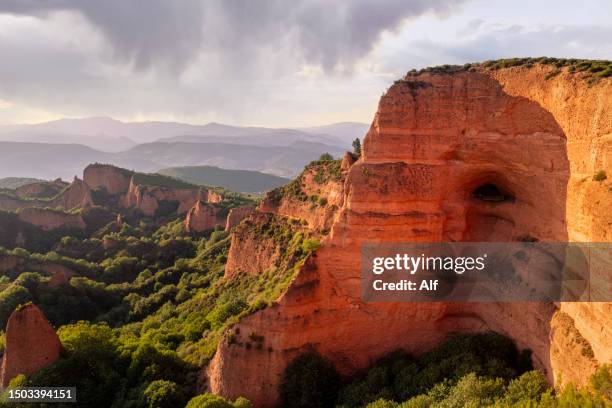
(434, 140)
(31, 344)
(49, 219)
(236, 215)
(147, 199)
(110, 178)
(314, 197)
(203, 217)
(76, 195)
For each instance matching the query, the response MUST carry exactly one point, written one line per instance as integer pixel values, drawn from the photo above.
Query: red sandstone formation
(60, 275)
(435, 139)
(49, 219)
(347, 161)
(42, 189)
(321, 197)
(204, 217)
(110, 178)
(249, 251)
(77, 195)
(236, 215)
(210, 196)
(12, 266)
(31, 344)
(147, 199)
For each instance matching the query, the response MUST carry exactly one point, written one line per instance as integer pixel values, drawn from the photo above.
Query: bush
(382, 403)
(399, 377)
(309, 381)
(420, 401)
(208, 401)
(473, 391)
(163, 394)
(149, 363)
(310, 245)
(221, 313)
(242, 402)
(600, 176)
(572, 397)
(602, 381)
(92, 363)
(10, 298)
(326, 157)
(526, 389)
(357, 147)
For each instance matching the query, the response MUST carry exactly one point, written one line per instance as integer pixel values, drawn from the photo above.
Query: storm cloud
(173, 33)
(263, 62)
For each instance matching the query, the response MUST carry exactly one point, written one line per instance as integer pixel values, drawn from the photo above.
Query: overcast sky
(262, 62)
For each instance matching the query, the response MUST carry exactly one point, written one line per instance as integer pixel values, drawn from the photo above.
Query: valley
(147, 289)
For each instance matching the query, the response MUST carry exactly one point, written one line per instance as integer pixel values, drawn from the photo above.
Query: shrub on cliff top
(357, 147)
(591, 68)
(10, 298)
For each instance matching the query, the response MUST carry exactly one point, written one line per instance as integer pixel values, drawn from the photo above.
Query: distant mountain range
(110, 135)
(16, 182)
(62, 148)
(243, 181)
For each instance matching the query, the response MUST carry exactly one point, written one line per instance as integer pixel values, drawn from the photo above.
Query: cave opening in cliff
(492, 193)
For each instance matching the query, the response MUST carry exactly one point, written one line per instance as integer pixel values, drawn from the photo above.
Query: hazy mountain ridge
(105, 143)
(63, 147)
(52, 160)
(278, 160)
(244, 181)
(94, 131)
(47, 160)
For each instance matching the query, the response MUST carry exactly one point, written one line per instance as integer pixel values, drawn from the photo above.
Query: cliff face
(236, 215)
(250, 251)
(203, 217)
(10, 202)
(110, 178)
(148, 199)
(41, 189)
(49, 219)
(435, 140)
(31, 344)
(76, 195)
(314, 197)
(12, 266)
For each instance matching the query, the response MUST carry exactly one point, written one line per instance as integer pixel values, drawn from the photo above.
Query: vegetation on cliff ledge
(590, 69)
(323, 171)
(483, 370)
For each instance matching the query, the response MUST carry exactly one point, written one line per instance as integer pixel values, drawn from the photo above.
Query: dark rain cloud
(241, 61)
(147, 33)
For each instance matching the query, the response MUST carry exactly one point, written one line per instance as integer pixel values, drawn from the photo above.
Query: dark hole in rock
(527, 238)
(492, 193)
